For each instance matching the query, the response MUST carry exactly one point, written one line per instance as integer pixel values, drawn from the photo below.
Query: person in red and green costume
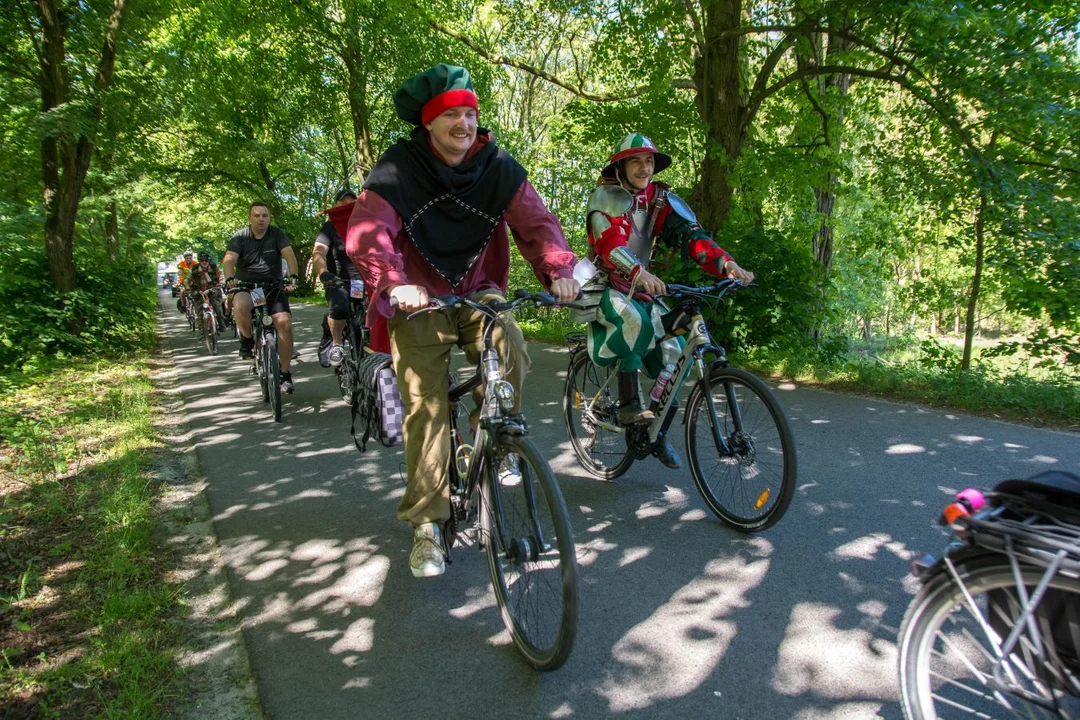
(628, 214)
(432, 219)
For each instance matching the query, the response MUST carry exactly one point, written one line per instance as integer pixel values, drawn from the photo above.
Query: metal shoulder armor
(606, 201)
(680, 208)
(611, 200)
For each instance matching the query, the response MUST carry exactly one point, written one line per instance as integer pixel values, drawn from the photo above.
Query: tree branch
(499, 59)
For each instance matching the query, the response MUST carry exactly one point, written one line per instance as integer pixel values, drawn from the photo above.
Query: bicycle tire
(749, 475)
(932, 684)
(273, 378)
(521, 570)
(583, 381)
(347, 372)
(210, 332)
(263, 368)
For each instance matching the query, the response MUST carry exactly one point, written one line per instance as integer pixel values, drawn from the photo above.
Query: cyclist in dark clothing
(206, 276)
(329, 260)
(254, 255)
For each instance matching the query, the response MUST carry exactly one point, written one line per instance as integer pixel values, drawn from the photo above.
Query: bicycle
(728, 409)
(354, 338)
(190, 312)
(210, 326)
(265, 361)
(994, 630)
(503, 485)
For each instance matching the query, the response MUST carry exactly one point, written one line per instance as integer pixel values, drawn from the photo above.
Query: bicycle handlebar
(679, 292)
(492, 308)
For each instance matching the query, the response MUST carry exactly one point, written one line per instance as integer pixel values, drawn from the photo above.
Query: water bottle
(661, 382)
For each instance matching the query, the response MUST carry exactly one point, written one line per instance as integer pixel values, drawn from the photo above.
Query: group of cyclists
(432, 220)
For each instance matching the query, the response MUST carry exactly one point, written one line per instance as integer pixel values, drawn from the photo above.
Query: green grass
(86, 621)
(998, 388)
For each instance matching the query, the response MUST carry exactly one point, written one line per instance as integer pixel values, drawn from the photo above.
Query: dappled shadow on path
(679, 614)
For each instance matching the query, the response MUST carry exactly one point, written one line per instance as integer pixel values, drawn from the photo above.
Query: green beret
(422, 97)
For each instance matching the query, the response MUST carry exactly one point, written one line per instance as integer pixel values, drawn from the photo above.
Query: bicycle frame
(698, 342)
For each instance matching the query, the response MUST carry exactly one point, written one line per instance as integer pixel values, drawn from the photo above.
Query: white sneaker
(336, 355)
(427, 558)
(510, 471)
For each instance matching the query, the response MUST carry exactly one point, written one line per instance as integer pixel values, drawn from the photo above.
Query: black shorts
(338, 300)
(277, 300)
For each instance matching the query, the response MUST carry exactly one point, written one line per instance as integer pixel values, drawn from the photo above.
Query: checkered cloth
(378, 403)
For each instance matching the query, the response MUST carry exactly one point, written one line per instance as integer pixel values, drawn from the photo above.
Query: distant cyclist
(184, 267)
(206, 276)
(254, 255)
(330, 261)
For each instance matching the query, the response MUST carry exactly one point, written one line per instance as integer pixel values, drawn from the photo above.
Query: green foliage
(115, 304)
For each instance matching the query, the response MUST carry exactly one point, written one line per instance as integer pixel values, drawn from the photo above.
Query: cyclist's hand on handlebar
(230, 283)
(734, 271)
(409, 297)
(649, 283)
(565, 289)
(291, 281)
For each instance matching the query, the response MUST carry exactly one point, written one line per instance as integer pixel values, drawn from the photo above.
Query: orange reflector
(762, 499)
(577, 400)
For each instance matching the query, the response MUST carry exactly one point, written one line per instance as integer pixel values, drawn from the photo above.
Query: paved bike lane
(679, 615)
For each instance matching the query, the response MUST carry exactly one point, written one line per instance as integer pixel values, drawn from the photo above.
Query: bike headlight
(267, 321)
(504, 393)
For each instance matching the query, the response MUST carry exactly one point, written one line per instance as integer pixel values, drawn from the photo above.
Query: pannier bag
(378, 403)
(1056, 494)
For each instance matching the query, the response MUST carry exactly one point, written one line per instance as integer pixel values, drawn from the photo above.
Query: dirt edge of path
(219, 683)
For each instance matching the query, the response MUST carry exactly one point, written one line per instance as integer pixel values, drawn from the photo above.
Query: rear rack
(575, 340)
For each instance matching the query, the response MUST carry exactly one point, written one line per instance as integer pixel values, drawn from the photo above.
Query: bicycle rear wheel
(273, 378)
(949, 644)
(590, 413)
(750, 486)
(531, 553)
(348, 371)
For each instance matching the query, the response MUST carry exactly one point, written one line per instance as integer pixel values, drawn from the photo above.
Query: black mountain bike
(265, 363)
(994, 630)
(738, 441)
(354, 338)
(504, 495)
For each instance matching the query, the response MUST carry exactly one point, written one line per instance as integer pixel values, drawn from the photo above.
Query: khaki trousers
(421, 351)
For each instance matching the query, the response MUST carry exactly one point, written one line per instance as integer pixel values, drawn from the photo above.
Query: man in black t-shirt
(329, 260)
(254, 255)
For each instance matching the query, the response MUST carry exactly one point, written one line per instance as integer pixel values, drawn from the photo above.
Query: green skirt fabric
(625, 331)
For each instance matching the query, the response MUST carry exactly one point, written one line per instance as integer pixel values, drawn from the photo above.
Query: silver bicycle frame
(697, 339)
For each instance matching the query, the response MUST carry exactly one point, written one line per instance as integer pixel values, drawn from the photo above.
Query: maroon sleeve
(369, 243)
(539, 236)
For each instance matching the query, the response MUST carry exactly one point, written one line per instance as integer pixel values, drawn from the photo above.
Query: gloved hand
(326, 277)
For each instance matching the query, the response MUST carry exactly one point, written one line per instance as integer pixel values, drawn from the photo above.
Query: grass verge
(1015, 398)
(87, 625)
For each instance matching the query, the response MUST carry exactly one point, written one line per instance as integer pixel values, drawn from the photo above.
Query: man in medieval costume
(432, 220)
(628, 214)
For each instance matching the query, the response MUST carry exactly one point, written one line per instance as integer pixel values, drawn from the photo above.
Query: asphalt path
(679, 616)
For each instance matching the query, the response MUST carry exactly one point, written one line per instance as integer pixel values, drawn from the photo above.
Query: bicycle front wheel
(950, 647)
(210, 332)
(590, 409)
(273, 379)
(749, 484)
(531, 553)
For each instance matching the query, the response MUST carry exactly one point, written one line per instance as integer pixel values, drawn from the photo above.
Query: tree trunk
(112, 232)
(358, 110)
(716, 79)
(973, 297)
(65, 159)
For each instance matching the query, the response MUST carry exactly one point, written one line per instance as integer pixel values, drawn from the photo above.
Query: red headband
(444, 101)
